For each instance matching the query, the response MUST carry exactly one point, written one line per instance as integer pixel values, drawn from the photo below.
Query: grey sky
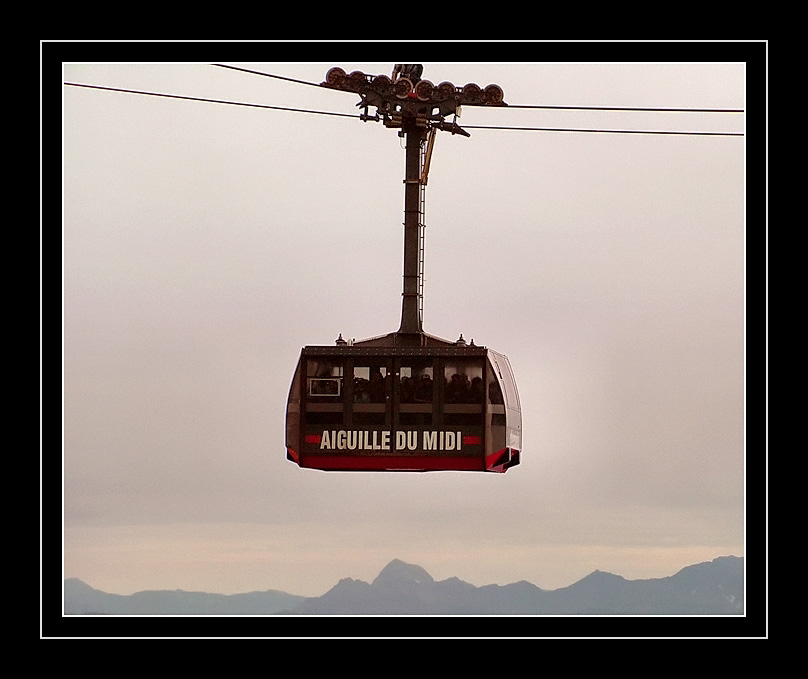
(205, 244)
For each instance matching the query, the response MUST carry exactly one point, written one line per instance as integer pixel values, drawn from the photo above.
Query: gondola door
(370, 403)
(415, 403)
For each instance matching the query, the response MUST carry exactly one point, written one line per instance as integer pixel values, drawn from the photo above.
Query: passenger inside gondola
(377, 388)
(360, 394)
(477, 391)
(415, 382)
(407, 390)
(457, 389)
(423, 390)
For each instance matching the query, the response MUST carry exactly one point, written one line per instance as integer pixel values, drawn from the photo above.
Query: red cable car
(405, 401)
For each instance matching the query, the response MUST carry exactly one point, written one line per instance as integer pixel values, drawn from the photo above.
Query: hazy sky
(204, 244)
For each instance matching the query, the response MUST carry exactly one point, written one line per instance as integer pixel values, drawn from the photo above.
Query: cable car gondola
(407, 400)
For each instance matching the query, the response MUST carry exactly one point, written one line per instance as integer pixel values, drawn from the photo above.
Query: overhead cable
(349, 115)
(212, 101)
(632, 108)
(576, 129)
(268, 75)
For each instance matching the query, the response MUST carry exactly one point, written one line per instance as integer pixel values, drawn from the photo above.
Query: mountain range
(711, 588)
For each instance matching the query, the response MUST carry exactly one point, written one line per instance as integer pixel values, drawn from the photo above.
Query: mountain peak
(397, 571)
(602, 576)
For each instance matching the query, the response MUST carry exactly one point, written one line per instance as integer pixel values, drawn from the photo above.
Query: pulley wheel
(334, 76)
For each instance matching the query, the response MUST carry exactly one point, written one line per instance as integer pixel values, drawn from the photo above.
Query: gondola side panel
(293, 417)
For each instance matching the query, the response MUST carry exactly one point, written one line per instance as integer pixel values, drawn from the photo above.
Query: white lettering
(358, 439)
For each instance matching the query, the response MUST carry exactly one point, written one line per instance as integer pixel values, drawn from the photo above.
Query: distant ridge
(711, 588)
(81, 599)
